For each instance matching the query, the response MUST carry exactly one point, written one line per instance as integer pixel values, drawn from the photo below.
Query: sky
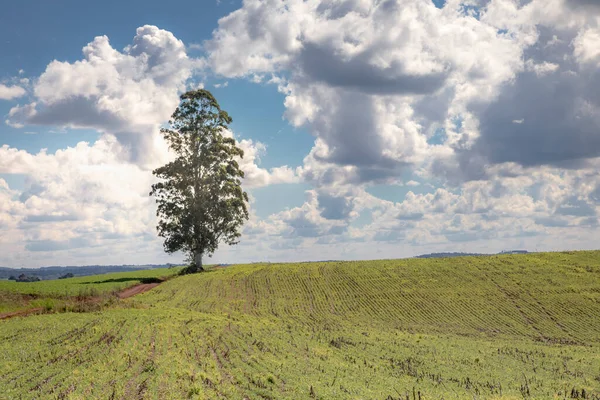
(371, 129)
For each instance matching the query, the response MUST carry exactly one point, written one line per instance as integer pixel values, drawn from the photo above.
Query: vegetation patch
(81, 294)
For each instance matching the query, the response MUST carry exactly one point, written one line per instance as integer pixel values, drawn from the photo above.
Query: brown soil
(137, 289)
(20, 313)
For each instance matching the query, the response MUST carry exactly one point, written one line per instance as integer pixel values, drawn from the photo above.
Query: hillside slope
(547, 297)
(510, 326)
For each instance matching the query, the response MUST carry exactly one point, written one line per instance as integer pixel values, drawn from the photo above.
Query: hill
(502, 327)
(449, 255)
(460, 254)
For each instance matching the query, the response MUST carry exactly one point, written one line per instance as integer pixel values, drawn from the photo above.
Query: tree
(25, 278)
(200, 199)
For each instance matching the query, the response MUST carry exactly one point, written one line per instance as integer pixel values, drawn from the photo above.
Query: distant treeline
(46, 273)
(24, 278)
(445, 255)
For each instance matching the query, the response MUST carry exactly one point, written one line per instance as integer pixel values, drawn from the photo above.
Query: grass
(501, 327)
(75, 286)
(54, 294)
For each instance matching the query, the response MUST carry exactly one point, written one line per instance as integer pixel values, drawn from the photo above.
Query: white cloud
(464, 103)
(541, 69)
(254, 175)
(11, 92)
(361, 77)
(80, 196)
(20, 113)
(127, 94)
(373, 90)
(587, 47)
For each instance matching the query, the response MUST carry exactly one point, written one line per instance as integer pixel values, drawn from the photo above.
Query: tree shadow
(140, 280)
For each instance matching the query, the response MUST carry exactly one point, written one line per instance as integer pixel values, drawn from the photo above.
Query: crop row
(535, 296)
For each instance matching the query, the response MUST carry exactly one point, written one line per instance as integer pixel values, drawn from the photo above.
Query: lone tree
(200, 199)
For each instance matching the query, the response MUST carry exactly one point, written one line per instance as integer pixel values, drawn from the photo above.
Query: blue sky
(371, 129)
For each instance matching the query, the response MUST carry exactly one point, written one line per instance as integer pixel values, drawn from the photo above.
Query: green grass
(16, 296)
(75, 286)
(510, 327)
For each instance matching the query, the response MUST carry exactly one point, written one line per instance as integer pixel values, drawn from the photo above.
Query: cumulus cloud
(254, 175)
(537, 212)
(125, 93)
(308, 221)
(75, 198)
(550, 113)
(587, 47)
(358, 74)
(87, 197)
(364, 77)
(11, 92)
(495, 103)
(20, 113)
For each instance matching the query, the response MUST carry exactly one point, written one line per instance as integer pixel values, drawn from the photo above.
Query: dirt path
(20, 313)
(137, 289)
(123, 294)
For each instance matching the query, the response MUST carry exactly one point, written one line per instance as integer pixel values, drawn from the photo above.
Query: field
(499, 327)
(15, 296)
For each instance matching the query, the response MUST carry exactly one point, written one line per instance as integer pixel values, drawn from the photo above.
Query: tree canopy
(199, 194)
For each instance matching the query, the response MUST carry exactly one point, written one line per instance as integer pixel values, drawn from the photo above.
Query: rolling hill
(497, 327)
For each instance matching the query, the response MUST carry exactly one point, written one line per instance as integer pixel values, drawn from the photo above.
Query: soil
(137, 289)
(20, 313)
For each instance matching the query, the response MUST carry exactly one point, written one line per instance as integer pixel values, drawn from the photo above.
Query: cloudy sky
(372, 129)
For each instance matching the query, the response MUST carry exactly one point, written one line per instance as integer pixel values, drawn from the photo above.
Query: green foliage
(502, 327)
(200, 199)
(26, 278)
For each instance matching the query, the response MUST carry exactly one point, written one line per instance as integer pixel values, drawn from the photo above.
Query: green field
(16, 296)
(499, 327)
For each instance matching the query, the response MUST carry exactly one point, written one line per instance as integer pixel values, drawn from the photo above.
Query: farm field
(15, 296)
(498, 327)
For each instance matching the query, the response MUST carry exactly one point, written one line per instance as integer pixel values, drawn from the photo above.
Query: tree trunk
(198, 262)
